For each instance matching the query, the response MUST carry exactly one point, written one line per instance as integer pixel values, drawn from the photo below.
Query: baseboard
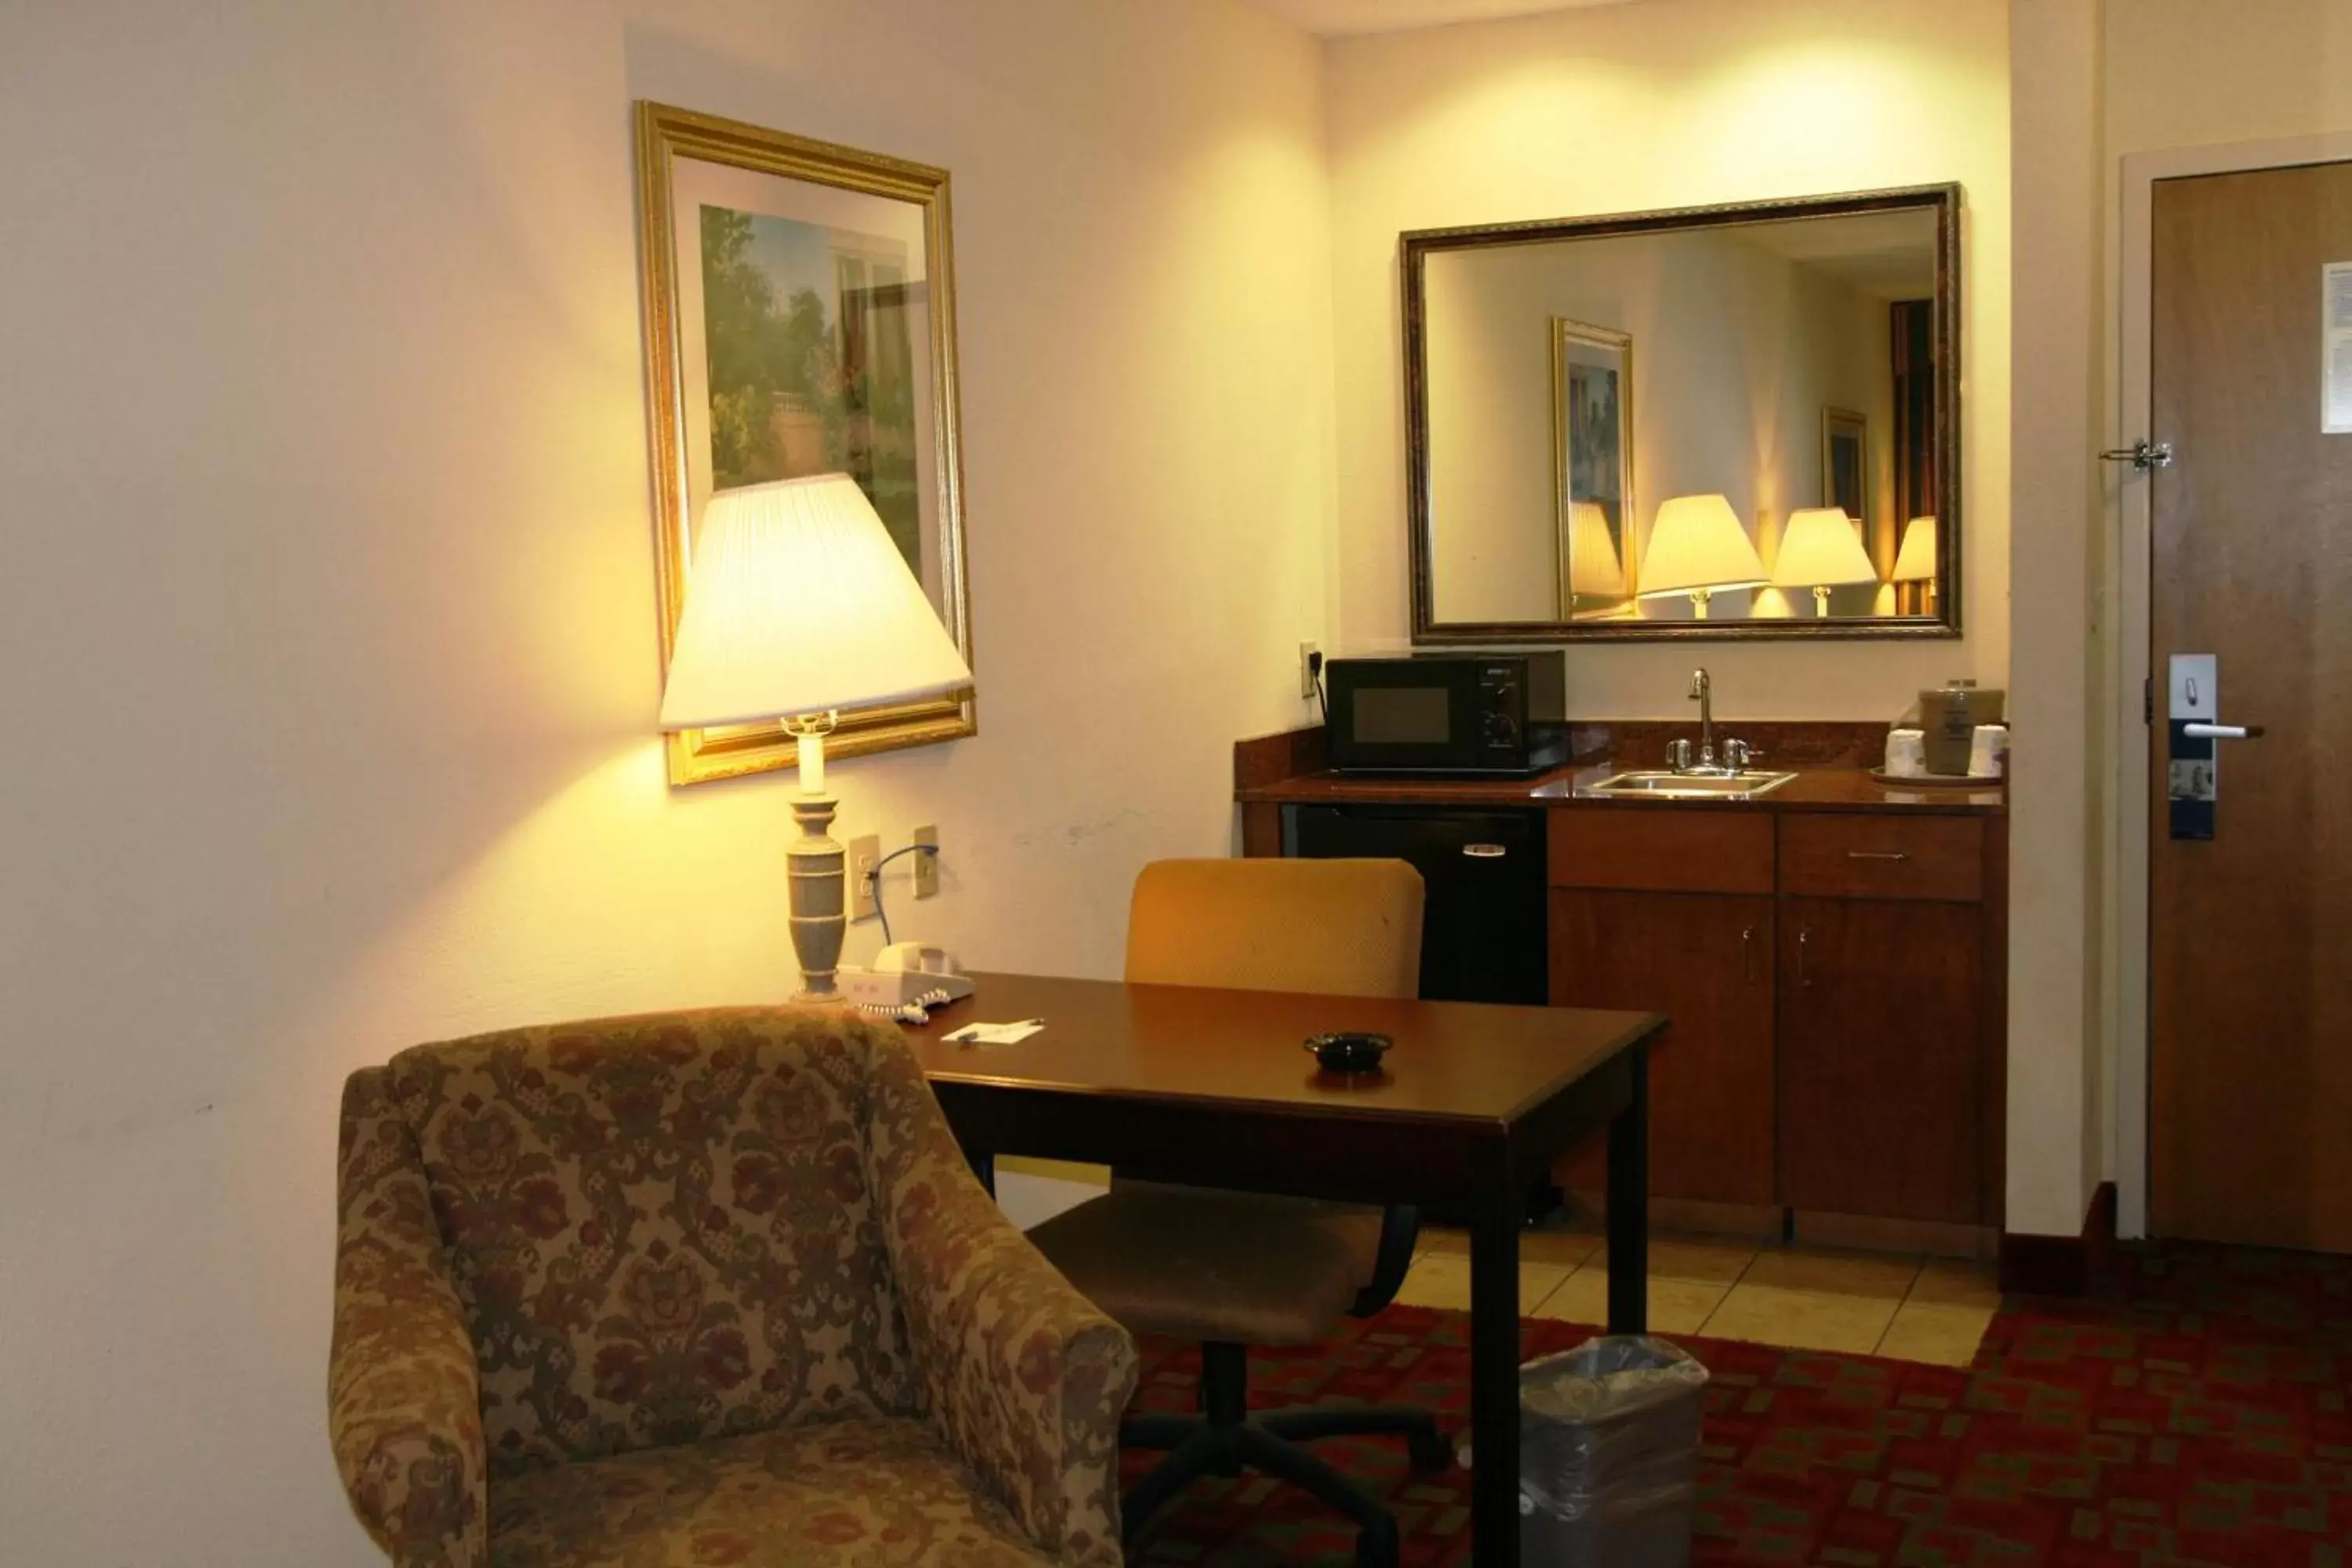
(2059, 1264)
(1869, 1233)
(1769, 1224)
(1691, 1216)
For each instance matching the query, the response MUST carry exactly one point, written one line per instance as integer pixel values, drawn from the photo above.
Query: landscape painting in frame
(1592, 377)
(800, 320)
(810, 360)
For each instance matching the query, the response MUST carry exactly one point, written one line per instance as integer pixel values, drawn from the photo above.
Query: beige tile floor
(1911, 1308)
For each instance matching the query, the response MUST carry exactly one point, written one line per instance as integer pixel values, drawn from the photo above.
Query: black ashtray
(1352, 1050)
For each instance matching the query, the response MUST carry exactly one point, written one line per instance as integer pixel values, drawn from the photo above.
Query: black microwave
(1448, 713)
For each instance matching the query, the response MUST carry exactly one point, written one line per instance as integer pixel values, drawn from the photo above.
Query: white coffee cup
(1989, 751)
(1906, 753)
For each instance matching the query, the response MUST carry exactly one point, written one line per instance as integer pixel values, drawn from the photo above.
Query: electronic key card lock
(2194, 733)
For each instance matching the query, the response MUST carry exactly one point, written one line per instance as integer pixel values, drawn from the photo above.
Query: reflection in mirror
(1778, 461)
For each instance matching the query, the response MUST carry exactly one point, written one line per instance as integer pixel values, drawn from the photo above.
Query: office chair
(1235, 1270)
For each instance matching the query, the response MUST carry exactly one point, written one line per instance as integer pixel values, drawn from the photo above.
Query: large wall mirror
(1723, 422)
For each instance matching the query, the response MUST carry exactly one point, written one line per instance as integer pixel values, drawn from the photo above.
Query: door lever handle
(2223, 732)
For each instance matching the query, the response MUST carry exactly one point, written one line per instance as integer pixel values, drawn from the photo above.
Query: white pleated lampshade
(1593, 566)
(1916, 560)
(1695, 542)
(1821, 548)
(801, 601)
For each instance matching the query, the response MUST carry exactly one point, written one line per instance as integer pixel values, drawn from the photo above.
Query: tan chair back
(1336, 928)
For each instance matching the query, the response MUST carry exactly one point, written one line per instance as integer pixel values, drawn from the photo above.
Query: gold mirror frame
(664, 135)
(1417, 245)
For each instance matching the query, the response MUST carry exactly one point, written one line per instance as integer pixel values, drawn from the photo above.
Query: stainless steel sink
(1660, 784)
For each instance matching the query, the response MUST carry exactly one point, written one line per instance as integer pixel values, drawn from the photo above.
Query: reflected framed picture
(800, 320)
(1845, 464)
(1592, 441)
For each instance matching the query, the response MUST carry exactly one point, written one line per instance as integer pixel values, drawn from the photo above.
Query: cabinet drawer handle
(1747, 954)
(1876, 854)
(1484, 851)
(1804, 951)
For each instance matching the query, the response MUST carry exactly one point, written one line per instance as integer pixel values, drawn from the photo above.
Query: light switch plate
(927, 866)
(863, 850)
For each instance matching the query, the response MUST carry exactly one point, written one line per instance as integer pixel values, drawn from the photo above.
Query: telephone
(906, 978)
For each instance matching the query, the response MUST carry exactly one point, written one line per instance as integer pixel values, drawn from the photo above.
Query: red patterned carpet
(2192, 1411)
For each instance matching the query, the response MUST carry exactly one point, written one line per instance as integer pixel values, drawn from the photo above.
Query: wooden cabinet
(1661, 850)
(1879, 1027)
(1706, 960)
(1834, 983)
(1883, 858)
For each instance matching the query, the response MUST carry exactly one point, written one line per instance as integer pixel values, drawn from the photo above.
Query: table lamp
(1594, 569)
(1820, 549)
(1697, 546)
(800, 604)
(1915, 561)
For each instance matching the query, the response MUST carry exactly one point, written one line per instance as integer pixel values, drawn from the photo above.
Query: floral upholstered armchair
(708, 1288)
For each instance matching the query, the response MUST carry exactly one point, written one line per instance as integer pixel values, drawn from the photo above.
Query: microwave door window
(1402, 716)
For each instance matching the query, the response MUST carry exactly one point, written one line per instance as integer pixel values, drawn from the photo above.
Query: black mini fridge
(1482, 936)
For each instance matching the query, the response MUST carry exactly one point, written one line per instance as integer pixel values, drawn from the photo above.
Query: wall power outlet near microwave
(1310, 669)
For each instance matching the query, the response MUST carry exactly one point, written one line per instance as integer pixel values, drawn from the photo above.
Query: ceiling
(1335, 18)
(1889, 255)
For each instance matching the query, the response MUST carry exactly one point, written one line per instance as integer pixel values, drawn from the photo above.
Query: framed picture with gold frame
(1592, 460)
(800, 319)
(1845, 464)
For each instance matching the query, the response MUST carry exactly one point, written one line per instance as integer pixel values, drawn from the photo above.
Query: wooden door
(1879, 1005)
(1704, 959)
(2250, 941)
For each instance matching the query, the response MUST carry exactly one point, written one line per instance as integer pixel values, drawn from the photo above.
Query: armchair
(695, 1288)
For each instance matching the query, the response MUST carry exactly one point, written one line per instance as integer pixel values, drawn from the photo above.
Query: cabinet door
(1704, 959)
(1879, 1005)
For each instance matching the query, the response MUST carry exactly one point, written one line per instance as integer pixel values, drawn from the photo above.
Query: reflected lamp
(1594, 569)
(1696, 545)
(1915, 560)
(1820, 549)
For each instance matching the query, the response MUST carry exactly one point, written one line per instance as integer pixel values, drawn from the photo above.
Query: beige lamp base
(819, 912)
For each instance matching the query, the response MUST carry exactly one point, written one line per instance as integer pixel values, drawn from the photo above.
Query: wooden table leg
(1629, 1204)
(1494, 1372)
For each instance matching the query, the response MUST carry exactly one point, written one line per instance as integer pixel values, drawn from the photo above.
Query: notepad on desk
(995, 1034)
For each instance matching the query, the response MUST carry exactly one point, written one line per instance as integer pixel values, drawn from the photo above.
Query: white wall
(1736, 348)
(2188, 73)
(2053, 1141)
(327, 610)
(1661, 104)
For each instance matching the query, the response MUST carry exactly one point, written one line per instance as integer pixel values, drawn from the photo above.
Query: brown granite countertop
(1813, 789)
(1830, 761)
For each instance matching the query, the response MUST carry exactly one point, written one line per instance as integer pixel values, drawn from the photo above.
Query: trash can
(1609, 1455)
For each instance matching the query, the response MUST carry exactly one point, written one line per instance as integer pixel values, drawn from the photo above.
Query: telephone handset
(907, 977)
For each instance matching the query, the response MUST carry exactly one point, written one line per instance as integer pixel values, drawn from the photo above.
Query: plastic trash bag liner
(1609, 1455)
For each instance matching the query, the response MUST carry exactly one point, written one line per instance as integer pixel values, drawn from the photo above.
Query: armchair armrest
(1028, 1377)
(403, 1387)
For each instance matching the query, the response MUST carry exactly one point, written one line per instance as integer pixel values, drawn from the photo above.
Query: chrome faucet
(1702, 692)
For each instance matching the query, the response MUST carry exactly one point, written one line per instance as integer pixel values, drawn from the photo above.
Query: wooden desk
(1214, 1086)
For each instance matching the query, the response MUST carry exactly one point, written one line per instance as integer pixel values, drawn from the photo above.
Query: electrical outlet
(864, 852)
(927, 866)
(1310, 665)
